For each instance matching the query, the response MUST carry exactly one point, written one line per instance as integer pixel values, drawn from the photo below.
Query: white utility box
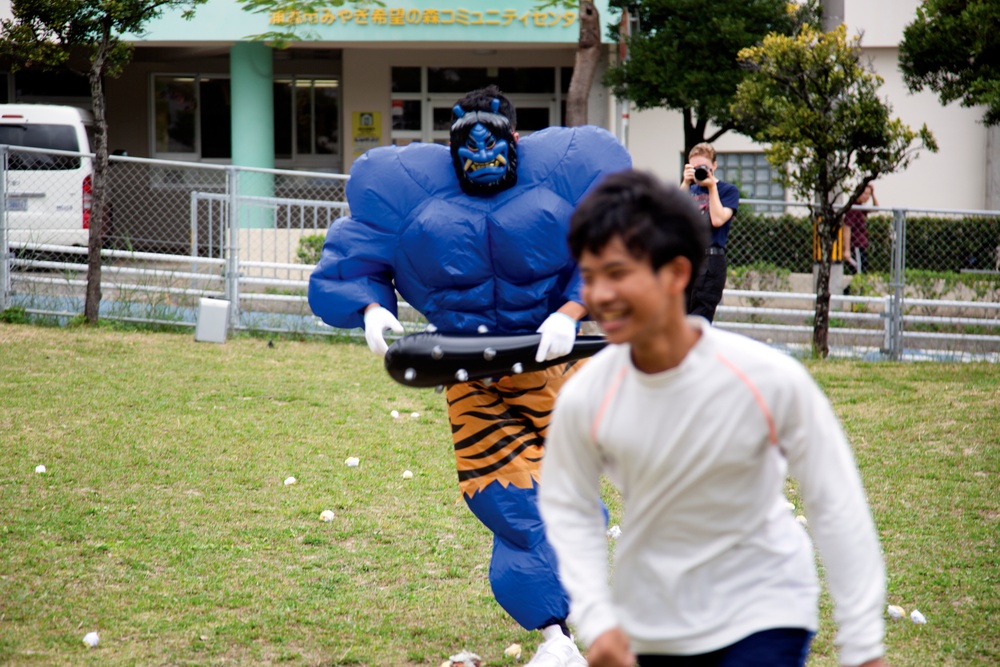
(213, 320)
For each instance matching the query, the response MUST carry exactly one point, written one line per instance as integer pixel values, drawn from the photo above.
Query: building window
(49, 87)
(753, 175)
(192, 119)
(307, 121)
(422, 97)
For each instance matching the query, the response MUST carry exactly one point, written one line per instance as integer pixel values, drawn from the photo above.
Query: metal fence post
(887, 322)
(233, 248)
(5, 258)
(897, 285)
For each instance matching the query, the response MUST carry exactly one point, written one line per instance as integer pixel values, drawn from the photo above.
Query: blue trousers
(781, 647)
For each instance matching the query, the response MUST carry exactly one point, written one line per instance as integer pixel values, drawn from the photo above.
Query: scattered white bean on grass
(917, 617)
(407, 474)
(513, 651)
(39, 469)
(801, 519)
(394, 414)
(614, 532)
(327, 515)
(463, 659)
(91, 639)
(414, 415)
(895, 612)
(290, 480)
(790, 505)
(352, 461)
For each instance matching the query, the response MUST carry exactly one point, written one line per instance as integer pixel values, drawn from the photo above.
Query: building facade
(205, 90)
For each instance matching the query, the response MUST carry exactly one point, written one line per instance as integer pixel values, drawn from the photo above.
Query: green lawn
(163, 521)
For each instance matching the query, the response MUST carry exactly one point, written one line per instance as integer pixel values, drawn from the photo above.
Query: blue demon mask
(483, 150)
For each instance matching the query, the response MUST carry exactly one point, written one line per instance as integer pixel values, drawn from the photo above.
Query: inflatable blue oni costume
(474, 238)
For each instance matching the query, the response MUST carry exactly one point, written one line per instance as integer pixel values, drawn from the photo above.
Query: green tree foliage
(683, 55)
(817, 106)
(44, 34)
(953, 48)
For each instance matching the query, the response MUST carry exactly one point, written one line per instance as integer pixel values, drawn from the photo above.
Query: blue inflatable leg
(523, 570)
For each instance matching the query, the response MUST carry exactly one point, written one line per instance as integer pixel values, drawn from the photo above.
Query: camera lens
(700, 173)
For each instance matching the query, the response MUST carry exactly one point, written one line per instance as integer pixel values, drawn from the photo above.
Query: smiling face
(630, 301)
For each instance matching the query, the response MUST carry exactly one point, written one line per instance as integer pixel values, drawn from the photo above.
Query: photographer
(717, 201)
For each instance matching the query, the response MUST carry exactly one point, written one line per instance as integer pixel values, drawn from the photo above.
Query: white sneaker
(557, 650)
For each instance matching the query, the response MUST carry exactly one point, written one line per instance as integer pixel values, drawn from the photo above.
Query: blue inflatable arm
(353, 271)
(576, 160)
(357, 266)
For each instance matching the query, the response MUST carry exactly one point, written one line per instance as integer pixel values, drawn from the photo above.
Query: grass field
(164, 524)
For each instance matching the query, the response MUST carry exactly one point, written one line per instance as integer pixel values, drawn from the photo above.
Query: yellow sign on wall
(399, 17)
(366, 130)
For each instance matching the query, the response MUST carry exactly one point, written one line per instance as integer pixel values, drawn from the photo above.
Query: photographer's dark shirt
(729, 195)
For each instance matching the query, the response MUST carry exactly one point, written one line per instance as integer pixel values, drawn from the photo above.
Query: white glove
(377, 320)
(558, 335)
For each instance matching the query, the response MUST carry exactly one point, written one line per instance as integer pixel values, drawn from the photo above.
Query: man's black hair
(653, 220)
(482, 100)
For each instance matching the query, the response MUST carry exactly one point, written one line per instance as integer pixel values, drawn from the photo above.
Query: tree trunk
(821, 323)
(588, 55)
(690, 135)
(92, 303)
(694, 131)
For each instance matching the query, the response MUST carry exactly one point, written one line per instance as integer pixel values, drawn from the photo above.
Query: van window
(58, 137)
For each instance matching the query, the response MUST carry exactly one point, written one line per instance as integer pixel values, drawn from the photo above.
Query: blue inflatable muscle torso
(463, 262)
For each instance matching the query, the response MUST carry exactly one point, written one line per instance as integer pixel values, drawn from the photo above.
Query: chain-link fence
(173, 233)
(905, 283)
(177, 232)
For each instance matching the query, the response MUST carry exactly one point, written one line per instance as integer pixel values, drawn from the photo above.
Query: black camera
(700, 173)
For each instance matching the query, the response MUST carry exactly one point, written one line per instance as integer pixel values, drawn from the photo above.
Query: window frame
(430, 100)
(330, 161)
(182, 156)
(315, 161)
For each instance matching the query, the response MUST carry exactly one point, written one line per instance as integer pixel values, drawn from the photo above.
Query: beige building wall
(656, 142)
(953, 178)
(365, 75)
(130, 97)
(368, 85)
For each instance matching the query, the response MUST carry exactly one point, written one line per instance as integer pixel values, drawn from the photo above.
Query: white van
(47, 197)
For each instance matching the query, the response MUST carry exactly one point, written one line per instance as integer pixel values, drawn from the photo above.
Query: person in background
(856, 233)
(718, 202)
(698, 428)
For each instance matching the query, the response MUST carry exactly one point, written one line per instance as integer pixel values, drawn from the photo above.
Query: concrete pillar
(993, 168)
(251, 74)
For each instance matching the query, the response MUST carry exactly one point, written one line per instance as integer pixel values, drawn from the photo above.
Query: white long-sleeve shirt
(709, 551)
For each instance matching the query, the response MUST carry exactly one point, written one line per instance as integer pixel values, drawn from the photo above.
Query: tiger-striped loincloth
(499, 429)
